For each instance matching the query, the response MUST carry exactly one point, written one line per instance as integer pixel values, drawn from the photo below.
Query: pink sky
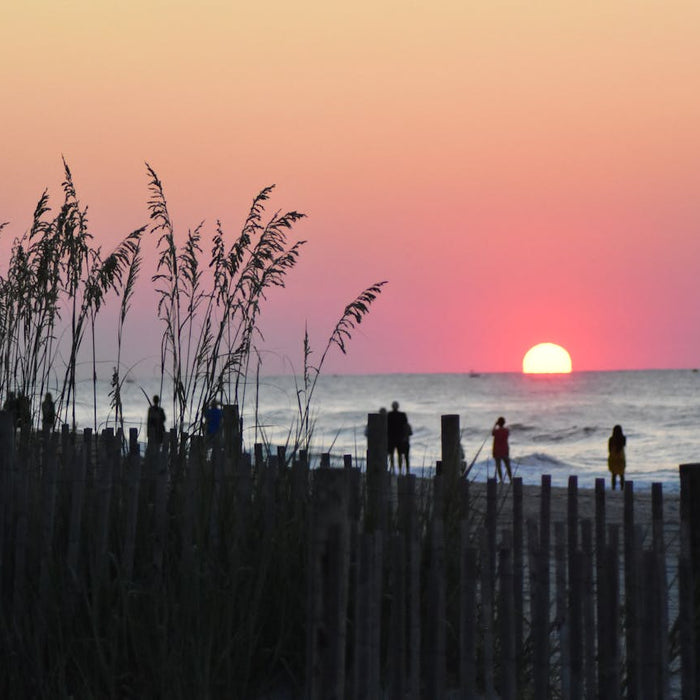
(518, 172)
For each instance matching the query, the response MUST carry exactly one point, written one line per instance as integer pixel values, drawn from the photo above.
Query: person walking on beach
(398, 432)
(11, 405)
(48, 413)
(212, 419)
(616, 456)
(501, 450)
(155, 422)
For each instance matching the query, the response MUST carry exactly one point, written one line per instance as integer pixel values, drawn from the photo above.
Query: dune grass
(210, 293)
(98, 607)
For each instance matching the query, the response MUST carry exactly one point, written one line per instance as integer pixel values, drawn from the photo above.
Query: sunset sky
(519, 172)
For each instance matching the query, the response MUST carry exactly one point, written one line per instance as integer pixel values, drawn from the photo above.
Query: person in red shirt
(501, 451)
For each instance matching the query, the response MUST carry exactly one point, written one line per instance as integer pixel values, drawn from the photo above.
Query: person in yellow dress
(616, 456)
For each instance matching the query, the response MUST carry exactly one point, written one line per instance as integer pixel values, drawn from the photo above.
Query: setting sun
(547, 358)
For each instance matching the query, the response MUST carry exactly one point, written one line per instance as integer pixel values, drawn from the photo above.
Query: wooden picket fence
(197, 570)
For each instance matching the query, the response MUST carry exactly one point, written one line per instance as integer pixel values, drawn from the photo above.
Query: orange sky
(519, 172)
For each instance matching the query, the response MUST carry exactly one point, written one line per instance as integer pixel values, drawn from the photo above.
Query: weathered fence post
(518, 575)
(601, 611)
(609, 652)
(66, 444)
(409, 529)
(367, 616)
(269, 476)
(545, 557)
(20, 515)
(282, 457)
(7, 459)
(259, 457)
(562, 622)
(576, 636)
(539, 613)
(574, 608)
(233, 441)
(686, 611)
(49, 483)
(467, 617)
(170, 447)
(486, 584)
(572, 522)
(657, 509)
(300, 476)
(376, 514)
(435, 653)
(632, 599)
(508, 685)
(588, 609)
(354, 479)
(650, 618)
(160, 512)
(299, 486)
(690, 522)
(192, 496)
(451, 456)
(397, 631)
(78, 472)
(327, 585)
(133, 480)
(491, 527)
(104, 502)
(219, 461)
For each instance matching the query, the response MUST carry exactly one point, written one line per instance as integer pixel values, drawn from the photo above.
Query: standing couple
(398, 431)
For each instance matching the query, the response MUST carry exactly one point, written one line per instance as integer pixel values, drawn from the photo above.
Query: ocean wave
(568, 434)
(540, 460)
(522, 428)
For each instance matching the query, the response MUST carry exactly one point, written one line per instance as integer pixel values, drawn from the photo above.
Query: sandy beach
(614, 509)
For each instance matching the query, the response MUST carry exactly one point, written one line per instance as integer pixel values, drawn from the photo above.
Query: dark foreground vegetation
(206, 572)
(165, 574)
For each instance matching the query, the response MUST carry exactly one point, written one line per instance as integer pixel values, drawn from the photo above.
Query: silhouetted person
(398, 432)
(48, 413)
(11, 405)
(501, 450)
(616, 456)
(155, 423)
(212, 419)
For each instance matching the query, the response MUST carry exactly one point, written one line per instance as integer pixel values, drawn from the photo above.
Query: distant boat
(474, 374)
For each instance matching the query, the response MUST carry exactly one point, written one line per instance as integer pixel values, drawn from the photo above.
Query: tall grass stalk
(210, 321)
(133, 265)
(52, 272)
(352, 316)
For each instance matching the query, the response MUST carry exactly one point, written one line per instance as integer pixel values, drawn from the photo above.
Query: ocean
(559, 424)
